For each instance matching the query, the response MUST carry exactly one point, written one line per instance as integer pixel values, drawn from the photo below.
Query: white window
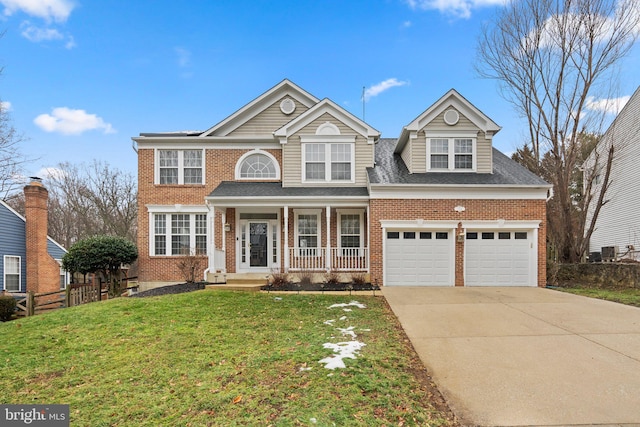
(451, 154)
(64, 276)
(179, 167)
(257, 165)
(329, 162)
(308, 232)
(179, 234)
(12, 267)
(350, 227)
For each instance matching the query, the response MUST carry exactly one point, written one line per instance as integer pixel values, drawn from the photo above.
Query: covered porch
(264, 228)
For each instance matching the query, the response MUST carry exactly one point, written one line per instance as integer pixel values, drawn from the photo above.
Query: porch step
(244, 279)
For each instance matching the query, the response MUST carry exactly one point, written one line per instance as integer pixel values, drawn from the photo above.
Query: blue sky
(81, 77)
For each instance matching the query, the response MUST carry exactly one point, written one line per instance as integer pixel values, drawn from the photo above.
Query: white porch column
(286, 238)
(328, 255)
(368, 240)
(224, 231)
(211, 247)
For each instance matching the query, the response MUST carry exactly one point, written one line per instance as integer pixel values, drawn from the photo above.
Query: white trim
(192, 230)
(467, 192)
(246, 267)
(327, 163)
(318, 213)
(4, 273)
(208, 143)
(177, 208)
(181, 167)
(451, 154)
(327, 128)
(351, 139)
(339, 213)
(501, 224)
(418, 224)
(252, 153)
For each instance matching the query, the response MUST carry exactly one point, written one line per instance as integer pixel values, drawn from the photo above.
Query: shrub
(190, 264)
(358, 278)
(7, 307)
(331, 277)
(279, 279)
(305, 277)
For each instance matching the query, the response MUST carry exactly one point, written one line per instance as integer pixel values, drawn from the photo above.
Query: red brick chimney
(43, 272)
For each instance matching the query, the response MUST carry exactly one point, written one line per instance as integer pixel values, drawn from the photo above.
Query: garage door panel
(503, 260)
(418, 258)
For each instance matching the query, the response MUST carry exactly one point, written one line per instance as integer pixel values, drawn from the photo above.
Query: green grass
(628, 296)
(215, 358)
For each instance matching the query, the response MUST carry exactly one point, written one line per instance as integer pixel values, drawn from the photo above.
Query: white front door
(258, 240)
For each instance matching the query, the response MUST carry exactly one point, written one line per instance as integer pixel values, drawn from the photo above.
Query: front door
(258, 244)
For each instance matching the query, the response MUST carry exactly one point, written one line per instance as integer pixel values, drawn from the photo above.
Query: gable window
(451, 154)
(308, 232)
(12, 269)
(328, 162)
(179, 234)
(180, 167)
(257, 166)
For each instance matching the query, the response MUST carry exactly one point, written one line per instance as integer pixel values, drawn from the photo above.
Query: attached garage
(419, 257)
(500, 258)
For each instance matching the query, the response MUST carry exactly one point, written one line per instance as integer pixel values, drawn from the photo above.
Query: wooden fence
(75, 294)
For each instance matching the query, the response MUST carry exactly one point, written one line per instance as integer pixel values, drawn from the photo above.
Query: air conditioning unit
(609, 253)
(595, 257)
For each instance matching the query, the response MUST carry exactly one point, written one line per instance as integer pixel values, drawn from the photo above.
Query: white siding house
(618, 224)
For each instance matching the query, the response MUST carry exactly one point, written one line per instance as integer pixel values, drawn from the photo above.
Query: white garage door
(419, 258)
(498, 258)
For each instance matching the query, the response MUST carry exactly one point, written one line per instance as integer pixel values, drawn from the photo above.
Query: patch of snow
(313, 420)
(343, 318)
(329, 322)
(277, 299)
(344, 350)
(348, 331)
(351, 304)
(346, 309)
(303, 369)
(365, 330)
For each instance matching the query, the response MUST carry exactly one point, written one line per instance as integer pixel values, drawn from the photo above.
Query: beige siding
(483, 145)
(407, 154)
(269, 120)
(419, 154)
(292, 153)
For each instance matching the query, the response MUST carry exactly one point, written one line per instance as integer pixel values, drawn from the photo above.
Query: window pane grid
(12, 273)
(180, 166)
(333, 159)
(258, 166)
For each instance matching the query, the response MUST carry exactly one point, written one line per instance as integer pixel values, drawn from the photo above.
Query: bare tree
(88, 200)
(552, 58)
(11, 158)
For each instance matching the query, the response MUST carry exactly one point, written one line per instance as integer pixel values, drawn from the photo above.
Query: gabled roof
(450, 99)
(259, 104)
(391, 169)
(10, 209)
(327, 106)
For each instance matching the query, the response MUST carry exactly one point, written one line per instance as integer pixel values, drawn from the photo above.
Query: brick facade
(443, 210)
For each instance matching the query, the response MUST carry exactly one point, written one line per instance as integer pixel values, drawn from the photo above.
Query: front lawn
(219, 358)
(628, 296)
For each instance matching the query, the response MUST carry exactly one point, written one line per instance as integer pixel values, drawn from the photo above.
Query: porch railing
(342, 259)
(219, 259)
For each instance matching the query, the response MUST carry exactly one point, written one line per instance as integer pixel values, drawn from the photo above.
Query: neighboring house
(290, 182)
(618, 224)
(30, 260)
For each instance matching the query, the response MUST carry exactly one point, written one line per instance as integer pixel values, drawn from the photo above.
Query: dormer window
(451, 154)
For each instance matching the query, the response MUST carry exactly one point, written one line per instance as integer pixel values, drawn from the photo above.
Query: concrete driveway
(526, 356)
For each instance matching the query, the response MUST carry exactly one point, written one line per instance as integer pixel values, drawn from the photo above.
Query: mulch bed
(319, 287)
(171, 289)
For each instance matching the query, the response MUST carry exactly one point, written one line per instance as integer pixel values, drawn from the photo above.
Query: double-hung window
(179, 234)
(329, 162)
(350, 232)
(180, 167)
(308, 233)
(12, 267)
(451, 154)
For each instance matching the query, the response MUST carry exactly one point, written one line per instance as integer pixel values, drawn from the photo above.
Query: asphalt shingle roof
(390, 169)
(275, 190)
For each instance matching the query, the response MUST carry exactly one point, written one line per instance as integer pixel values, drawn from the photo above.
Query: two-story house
(290, 182)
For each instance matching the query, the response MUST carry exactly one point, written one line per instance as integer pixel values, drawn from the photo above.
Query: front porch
(290, 235)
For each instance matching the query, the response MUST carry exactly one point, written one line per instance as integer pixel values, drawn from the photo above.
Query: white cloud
(35, 34)
(457, 8)
(407, 24)
(609, 106)
(184, 57)
(378, 88)
(5, 105)
(51, 172)
(49, 10)
(71, 122)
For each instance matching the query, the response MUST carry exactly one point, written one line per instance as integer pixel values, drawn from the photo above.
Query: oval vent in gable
(451, 117)
(287, 106)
